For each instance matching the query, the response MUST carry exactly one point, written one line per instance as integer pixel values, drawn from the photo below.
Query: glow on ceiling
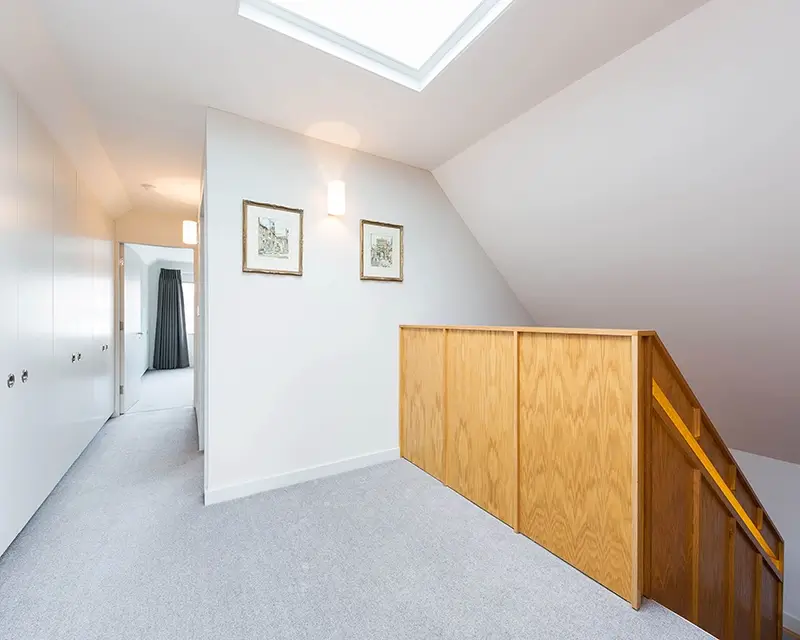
(407, 41)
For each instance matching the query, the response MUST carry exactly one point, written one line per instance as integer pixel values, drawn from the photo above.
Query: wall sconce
(336, 198)
(189, 232)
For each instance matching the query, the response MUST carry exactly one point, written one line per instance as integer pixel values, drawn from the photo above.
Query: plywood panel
(480, 419)
(422, 399)
(575, 433)
(671, 520)
(746, 499)
(712, 555)
(769, 606)
(770, 535)
(713, 449)
(672, 387)
(744, 570)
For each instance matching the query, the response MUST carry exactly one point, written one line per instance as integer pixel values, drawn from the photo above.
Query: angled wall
(303, 371)
(660, 191)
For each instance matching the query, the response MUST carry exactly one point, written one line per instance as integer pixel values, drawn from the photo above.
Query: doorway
(157, 328)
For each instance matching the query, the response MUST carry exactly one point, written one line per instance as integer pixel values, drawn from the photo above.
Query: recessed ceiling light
(409, 42)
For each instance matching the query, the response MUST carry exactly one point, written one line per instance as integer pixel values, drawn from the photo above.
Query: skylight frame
(295, 26)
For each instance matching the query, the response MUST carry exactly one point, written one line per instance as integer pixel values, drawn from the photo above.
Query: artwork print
(272, 239)
(381, 251)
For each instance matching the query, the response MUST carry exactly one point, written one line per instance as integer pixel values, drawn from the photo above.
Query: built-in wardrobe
(56, 315)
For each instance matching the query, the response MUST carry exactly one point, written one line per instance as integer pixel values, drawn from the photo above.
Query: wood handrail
(719, 483)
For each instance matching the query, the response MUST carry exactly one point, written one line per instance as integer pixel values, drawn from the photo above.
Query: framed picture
(272, 239)
(381, 251)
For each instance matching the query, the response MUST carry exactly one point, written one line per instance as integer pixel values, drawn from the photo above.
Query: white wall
(661, 192)
(777, 485)
(303, 370)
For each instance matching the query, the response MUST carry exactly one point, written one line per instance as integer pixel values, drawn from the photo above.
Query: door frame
(119, 317)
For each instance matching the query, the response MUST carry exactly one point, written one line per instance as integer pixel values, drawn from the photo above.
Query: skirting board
(234, 492)
(792, 624)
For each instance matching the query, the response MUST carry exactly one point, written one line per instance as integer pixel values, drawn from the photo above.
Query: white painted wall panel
(51, 309)
(13, 505)
(303, 371)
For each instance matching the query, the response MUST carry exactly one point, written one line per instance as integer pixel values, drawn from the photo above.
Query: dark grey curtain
(171, 347)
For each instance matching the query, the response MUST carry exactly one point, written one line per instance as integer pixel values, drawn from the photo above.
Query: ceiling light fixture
(409, 43)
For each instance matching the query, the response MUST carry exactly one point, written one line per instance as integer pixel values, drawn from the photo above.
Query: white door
(103, 321)
(13, 507)
(133, 332)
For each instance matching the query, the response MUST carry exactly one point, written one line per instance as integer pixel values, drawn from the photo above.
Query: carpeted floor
(124, 549)
(165, 390)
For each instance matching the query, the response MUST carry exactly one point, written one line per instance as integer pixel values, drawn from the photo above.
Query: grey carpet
(124, 549)
(169, 389)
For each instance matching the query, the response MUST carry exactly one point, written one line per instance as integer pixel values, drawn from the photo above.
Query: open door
(134, 352)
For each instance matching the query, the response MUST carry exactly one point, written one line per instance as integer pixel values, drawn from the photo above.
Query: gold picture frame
(269, 248)
(383, 272)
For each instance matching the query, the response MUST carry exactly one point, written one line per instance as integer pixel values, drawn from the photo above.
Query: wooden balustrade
(711, 552)
(591, 443)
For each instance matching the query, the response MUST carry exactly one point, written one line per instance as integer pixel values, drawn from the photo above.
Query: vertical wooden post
(757, 608)
(516, 432)
(697, 418)
(445, 439)
(732, 477)
(645, 494)
(637, 466)
(696, 495)
(779, 551)
(401, 397)
(730, 585)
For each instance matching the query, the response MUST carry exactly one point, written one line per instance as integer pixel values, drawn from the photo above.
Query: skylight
(407, 41)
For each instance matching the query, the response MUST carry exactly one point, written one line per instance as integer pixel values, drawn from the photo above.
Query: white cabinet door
(35, 310)
(66, 276)
(13, 501)
(103, 281)
(134, 336)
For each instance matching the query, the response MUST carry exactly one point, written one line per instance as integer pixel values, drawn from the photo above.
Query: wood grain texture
(645, 404)
(744, 576)
(697, 480)
(671, 516)
(575, 435)
(713, 449)
(637, 471)
(673, 387)
(515, 514)
(770, 534)
(550, 330)
(712, 556)
(698, 457)
(422, 399)
(757, 599)
(747, 499)
(480, 419)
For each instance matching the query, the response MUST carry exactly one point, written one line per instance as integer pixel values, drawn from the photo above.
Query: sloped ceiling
(147, 69)
(662, 192)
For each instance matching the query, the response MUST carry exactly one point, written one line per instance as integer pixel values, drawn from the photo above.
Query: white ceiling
(150, 253)
(145, 71)
(661, 192)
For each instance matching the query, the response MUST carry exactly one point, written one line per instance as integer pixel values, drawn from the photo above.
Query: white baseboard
(234, 492)
(791, 623)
